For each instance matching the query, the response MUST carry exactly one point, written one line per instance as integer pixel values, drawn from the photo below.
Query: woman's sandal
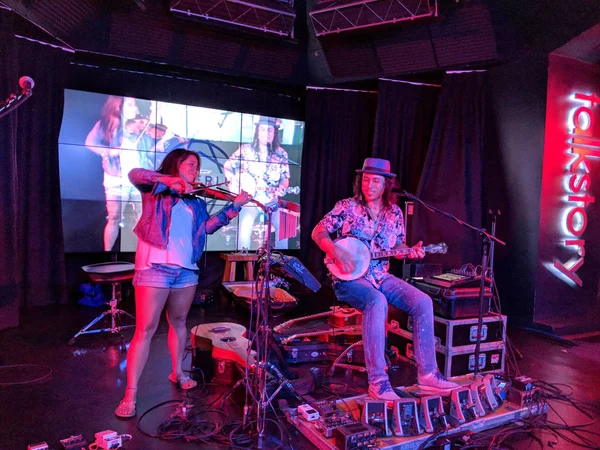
(126, 409)
(183, 382)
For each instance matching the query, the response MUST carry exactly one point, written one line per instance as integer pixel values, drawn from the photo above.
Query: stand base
(115, 319)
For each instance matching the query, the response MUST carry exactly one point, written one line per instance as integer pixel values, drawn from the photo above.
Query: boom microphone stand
(488, 241)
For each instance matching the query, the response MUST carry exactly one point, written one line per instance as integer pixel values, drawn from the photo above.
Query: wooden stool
(230, 264)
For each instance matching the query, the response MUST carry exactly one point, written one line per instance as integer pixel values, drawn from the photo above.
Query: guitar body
(362, 256)
(228, 340)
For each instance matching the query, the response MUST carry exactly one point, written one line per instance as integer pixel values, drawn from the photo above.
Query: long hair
(171, 163)
(389, 198)
(110, 118)
(274, 145)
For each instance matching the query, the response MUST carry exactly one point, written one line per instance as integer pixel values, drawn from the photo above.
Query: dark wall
(513, 177)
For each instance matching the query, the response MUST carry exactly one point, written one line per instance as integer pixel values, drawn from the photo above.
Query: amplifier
(451, 333)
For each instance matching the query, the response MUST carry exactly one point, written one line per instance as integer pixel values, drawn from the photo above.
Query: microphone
(402, 192)
(26, 83)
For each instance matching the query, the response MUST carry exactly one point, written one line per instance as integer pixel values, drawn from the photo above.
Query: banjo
(363, 256)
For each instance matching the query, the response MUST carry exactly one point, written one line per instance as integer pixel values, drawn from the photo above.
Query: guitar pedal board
(462, 407)
(355, 436)
(433, 416)
(375, 413)
(405, 418)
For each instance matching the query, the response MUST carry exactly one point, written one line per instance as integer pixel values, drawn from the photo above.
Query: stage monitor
(104, 136)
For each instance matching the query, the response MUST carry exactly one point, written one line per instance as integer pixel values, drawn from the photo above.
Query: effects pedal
(405, 418)
(490, 383)
(355, 436)
(108, 439)
(524, 399)
(375, 413)
(308, 413)
(462, 408)
(39, 446)
(483, 398)
(326, 425)
(523, 383)
(433, 416)
(325, 408)
(74, 443)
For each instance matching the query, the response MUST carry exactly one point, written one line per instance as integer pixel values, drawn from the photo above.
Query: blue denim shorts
(162, 276)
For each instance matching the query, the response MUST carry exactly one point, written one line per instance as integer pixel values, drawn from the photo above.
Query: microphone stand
(488, 241)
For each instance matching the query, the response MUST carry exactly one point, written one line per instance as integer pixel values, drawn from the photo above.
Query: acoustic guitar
(363, 256)
(228, 340)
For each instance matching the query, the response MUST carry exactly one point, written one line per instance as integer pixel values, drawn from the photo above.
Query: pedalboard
(405, 418)
(355, 436)
(331, 417)
(432, 414)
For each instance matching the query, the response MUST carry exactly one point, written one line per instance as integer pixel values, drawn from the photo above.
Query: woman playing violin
(171, 236)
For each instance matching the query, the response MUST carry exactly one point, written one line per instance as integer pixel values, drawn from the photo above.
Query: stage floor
(87, 380)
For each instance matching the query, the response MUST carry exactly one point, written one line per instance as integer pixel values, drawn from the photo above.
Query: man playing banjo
(373, 217)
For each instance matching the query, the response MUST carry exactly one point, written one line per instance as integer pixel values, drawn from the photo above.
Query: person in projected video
(171, 238)
(260, 168)
(117, 139)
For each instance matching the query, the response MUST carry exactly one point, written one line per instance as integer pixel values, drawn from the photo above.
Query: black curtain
(405, 115)
(338, 136)
(32, 263)
(452, 177)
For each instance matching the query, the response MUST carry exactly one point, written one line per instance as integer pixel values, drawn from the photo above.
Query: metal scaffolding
(269, 16)
(344, 15)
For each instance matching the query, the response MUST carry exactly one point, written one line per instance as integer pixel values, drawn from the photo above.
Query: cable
(19, 366)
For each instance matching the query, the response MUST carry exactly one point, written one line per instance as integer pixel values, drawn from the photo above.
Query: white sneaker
(382, 390)
(435, 382)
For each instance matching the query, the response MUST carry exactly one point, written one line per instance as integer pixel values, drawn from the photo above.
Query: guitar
(228, 341)
(363, 256)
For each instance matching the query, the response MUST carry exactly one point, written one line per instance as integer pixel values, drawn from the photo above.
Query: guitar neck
(390, 253)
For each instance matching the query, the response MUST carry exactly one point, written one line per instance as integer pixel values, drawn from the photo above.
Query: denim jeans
(373, 302)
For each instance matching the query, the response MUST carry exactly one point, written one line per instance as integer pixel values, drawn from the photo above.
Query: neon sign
(582, 145)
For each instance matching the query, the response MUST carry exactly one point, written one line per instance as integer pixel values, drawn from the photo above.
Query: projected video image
(103, 137)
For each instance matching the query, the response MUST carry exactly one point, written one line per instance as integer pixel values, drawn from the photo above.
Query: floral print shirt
(350, 217)
(268, 175)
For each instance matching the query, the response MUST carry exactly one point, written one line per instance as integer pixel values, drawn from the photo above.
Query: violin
(217, 193)
(141, 125)
(203, 190)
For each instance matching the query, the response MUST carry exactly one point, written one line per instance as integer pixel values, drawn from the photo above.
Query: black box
(412, 270)
(314, 351)
(456, 302)
(454, 332)
(456, 361)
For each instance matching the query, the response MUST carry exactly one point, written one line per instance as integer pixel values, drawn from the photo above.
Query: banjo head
(362, 257)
